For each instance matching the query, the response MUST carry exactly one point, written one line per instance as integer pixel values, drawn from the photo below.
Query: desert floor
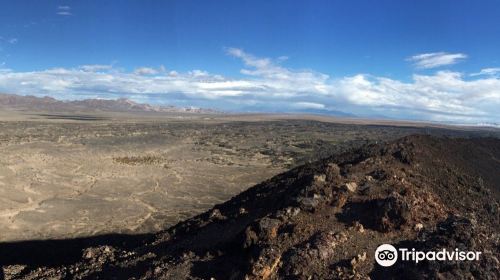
(72, 175)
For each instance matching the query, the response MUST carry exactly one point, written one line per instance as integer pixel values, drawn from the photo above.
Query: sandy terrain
(75, 175)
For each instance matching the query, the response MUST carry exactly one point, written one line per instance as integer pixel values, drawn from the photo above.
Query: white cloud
(438, 59)
(308, 105)
(64, 11)
(145, 71)
(266, 85)
(441, 95)
(199, 73)
(487, 72)
(283, 58)
(96, 67)
(280, 81)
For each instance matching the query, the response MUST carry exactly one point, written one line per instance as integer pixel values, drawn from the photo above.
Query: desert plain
(67, 175)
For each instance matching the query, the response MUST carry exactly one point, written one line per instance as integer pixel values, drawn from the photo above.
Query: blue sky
(425, 60)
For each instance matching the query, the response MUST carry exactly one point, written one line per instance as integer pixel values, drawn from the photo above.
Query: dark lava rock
(309, 203)
(391, 212)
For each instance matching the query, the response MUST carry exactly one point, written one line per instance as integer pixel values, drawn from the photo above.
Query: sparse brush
(139, 160)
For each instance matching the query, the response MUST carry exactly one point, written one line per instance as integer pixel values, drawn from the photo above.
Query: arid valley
(81, 183)
(65, 176)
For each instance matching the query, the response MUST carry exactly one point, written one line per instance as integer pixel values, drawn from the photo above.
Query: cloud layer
(266, 85)
(434, 60)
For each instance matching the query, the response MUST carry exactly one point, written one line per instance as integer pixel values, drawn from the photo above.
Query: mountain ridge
(46, 103)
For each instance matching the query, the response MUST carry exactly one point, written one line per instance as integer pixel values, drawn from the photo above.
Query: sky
(429, 60)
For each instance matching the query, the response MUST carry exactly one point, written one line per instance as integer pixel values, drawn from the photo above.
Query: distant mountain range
(20, 102)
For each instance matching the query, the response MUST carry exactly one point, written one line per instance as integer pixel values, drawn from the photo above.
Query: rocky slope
(322, 220)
